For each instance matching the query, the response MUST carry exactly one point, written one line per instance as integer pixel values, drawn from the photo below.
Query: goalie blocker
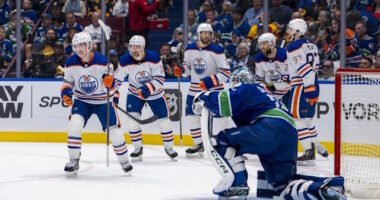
(263, 128)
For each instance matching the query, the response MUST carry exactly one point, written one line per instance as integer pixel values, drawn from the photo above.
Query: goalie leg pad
(74, 141)
(135, 130)
(118, 143)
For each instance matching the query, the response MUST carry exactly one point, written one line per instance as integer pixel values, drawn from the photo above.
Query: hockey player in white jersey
(146, 79)
(84, 88)
(207, 65)
(303, 57)
(272, 66)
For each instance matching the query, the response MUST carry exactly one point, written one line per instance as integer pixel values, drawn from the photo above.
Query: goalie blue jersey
(244, 103)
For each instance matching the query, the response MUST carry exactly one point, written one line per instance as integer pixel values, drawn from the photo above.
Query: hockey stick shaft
(140, 121)
(180, 109)
(107, 37)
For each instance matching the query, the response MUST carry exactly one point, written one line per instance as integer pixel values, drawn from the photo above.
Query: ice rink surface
(35, 171)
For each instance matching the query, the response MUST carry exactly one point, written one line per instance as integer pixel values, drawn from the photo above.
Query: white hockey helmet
(137, 40)
(297, 25)
(242, 74)
(206, 28)
(267, 37)
(82, 37)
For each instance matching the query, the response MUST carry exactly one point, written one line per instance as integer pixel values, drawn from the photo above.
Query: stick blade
(104, 28)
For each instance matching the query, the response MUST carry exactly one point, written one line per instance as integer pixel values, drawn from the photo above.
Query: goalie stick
(216, 159)
(107, 36)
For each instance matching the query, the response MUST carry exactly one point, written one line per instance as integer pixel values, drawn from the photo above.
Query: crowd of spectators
(236, 23)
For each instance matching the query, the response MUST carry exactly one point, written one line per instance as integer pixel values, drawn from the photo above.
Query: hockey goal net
(357, 131)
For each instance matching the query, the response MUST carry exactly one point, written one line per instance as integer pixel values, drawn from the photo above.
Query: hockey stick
(140, 121)
(180, 109)
(107, 36)
(216, 159)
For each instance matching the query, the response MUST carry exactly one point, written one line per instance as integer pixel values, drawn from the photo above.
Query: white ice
(35, 171)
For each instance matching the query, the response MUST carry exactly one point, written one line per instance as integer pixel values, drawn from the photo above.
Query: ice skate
(321, 150)
(127, 167)
(307, 159)
(330, 193)
(136, 155)
(195, 152)
(240, 193)
(72, 167)
(172, 154)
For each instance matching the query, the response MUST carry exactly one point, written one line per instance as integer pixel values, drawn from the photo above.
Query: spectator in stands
(324, 21)
(138, 11)
(59, 55)
(242, 58)
(114, 58)
(366, 62)
(367, 44)
(6, 49)
(210, 19)
(77, 7)
(5, 10)
(242, 4)
(193, 26)
(177, 40)
(169, 60)
(252, 15)
(70, 23)
(28, 13)
(41, 31)
(114, 43)
(57, 16)
(225, 17)
(94, 29)
(280, 14)
(377, 9)
(202, 11)
(376, 65)
(40, 57)
(230, 48)
(120, 9)
(297, 15)
(307, 7)
(10, 29)
(326, 70)
(95, 6)
(68, 42)
(238, 27)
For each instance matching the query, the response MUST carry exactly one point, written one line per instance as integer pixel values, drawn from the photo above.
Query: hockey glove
(208, 82)
(109, 81)
(115, 99)
(178, 70)
(311, 94)
(144, 91)
(66, 95)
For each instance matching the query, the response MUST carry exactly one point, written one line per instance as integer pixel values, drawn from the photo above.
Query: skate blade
(195, 155)
(137, 159)
(306, 163)
(175, 159)
(234, 197)
(72, 174)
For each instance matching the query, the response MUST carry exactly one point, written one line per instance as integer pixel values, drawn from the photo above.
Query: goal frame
(338, 105)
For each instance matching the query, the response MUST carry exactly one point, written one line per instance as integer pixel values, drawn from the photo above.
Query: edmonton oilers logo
(143, 77)
(88, 84)
(199, 65)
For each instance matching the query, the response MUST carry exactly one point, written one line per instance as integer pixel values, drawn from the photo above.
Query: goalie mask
(266, 43)
(80, 38)
(205, 39)
(242, 75)
(137, 47)
(294, 26)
